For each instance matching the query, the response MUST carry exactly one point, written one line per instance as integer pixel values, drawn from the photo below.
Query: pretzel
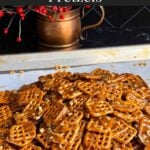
(20, 117)
(1, 141)
(25, 96)
(54, 83)
(113, 91)
(35, 109)
(99, 71)
(31, 146)
(73, 146)
(118, 146)
(55, 113)
(98, 108)
(62, 74)
(80, 147)
(22, 134)
(88, 76)
(15, 107)
(143, 92)
(136, 98)
(133, 81)
(69, 91)
(5, 114)
(84, 76)
(144, 131)
(8, 124)
(118, 126)
(64, 137)
(6, 146)
(70, 121)
(44, 78)
(147, 148)
(137, 82)
(4, 97)
(104, 74)
(74, 117)
(124, 106)
(122, 78)
(53, 97)
(126, 136)
(75, 143)
(78, 103)
(56, 146)
(87, 88)
(129, 116)
(100, 124)
(28, 87)
(98, 141)
(45, 139)
(147, 108)
(3, 133)
(82, 129)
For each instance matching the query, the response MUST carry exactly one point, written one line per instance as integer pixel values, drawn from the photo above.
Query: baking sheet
(132, 59)
(14, 81)
(74, 58)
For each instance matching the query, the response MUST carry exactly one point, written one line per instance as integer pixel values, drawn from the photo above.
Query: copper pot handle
(93, 25)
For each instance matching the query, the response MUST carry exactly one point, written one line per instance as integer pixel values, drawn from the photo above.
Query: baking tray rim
(47, 60)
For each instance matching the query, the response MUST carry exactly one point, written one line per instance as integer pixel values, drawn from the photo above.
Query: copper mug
(62, 34)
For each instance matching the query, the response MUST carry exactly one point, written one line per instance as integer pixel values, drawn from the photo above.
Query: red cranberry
(22, 15)
(19, 10)
(42, 7)
(62, 16)
(54, 8)
(87, 6)
(43, 11)
(60, 9)
(1, 13)
(49, 17)
(36, 9)
(65, 9)
(18, 40)
(5, 30)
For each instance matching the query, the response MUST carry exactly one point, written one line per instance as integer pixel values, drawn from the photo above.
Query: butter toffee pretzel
(100, 110)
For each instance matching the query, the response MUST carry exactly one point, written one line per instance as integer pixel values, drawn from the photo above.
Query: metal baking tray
(132, 59)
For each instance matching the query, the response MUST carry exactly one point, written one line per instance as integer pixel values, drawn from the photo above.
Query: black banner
(76, 2)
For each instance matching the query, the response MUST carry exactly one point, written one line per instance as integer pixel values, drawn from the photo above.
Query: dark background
(122, 26)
